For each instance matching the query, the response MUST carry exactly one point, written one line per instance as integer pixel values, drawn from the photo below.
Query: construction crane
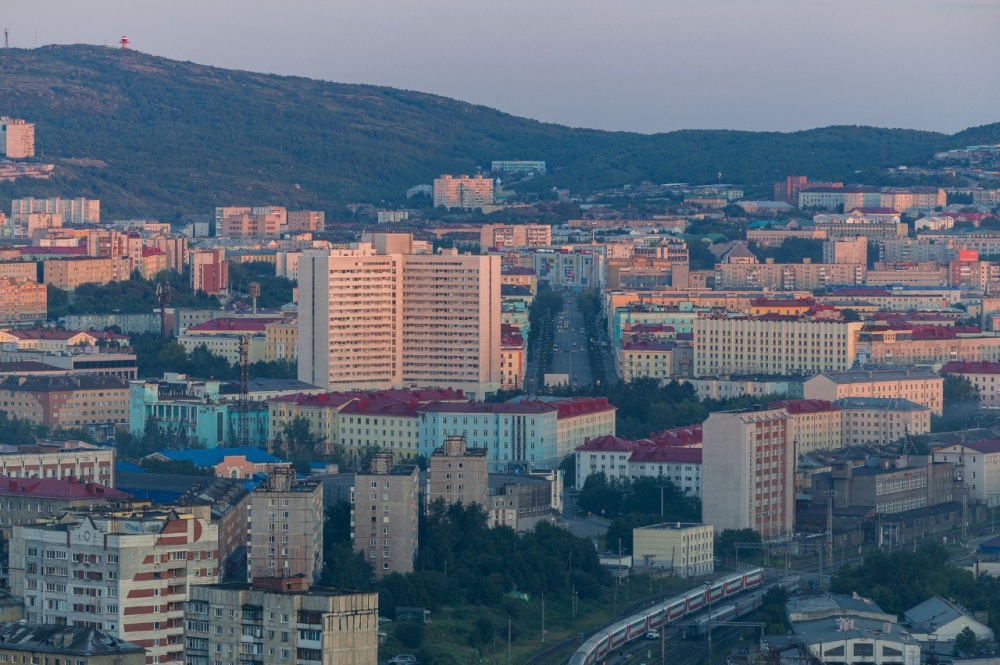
(243, 406)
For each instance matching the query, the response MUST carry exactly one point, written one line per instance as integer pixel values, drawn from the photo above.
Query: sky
(635, 65)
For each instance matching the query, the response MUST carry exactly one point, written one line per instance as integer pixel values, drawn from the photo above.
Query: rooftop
(70, 640)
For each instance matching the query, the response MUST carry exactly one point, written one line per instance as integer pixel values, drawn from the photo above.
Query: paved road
(570, 347)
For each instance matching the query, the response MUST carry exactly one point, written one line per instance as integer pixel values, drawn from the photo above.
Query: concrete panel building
(748, 472)
(127, 575)
(772, 345)
(17, 138)
(371, 319)
(458, 474)
(384, 503)
(285, 527)
(281, 620)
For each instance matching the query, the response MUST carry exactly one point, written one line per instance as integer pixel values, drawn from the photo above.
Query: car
(652, 634)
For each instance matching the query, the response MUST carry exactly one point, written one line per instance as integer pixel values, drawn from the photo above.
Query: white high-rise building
(378, 316)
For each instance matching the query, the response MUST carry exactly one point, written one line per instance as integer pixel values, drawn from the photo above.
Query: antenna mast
(244, 400)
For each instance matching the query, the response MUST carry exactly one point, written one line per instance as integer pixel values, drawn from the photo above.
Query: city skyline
(646, 67)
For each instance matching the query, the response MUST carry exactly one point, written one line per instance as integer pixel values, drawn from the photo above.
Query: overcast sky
(642, 65)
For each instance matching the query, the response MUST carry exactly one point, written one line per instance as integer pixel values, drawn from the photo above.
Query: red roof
(56, 488)
(643, 450)
(232, 325)
(982, 367)
(797, 406)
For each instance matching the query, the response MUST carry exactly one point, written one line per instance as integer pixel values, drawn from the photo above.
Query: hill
(151, 136)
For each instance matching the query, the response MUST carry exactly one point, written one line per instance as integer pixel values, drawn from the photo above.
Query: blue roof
(214, 456)
(128, 467)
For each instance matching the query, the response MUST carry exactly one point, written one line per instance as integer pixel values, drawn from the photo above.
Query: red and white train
(615, 636)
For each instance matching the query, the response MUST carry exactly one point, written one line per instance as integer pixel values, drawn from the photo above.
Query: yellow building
(686, 549)
(281, 340)
(917, 385)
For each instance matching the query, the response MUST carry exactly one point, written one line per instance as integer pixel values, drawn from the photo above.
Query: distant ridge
(178, 137)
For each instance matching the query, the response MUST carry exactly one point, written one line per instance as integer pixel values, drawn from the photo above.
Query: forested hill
(170, 137)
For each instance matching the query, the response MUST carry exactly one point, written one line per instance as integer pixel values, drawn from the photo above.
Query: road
(570, 346)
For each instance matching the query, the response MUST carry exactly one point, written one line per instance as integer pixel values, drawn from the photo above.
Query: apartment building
(500, 236)
(687, 550)
(91, 401)
(285, 527)
(306, 220)
(772, 345)
(463, 191)
(175, 248)
(69, 273)
(280, 620)
(846, 250)
(512, 357)
(748, 472)
(22, 301)
(384, 503)
(62, 459)
(917, 385)
(36, 643)
(378, 319)
(457, 474)
(977, 465)
(817, 424)
(209, 271)
(642, 458)
(881, 420)
(281, 340)
(73, 211)
(127, 574)
(17, 138)
(983, 375)
(32, 500)
(788, 276)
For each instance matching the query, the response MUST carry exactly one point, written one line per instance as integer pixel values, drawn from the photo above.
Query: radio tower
(244, 400)
(255, 293)
(163, 297)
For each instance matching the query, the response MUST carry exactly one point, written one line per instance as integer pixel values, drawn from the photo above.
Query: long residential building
(772, 345)
(378, 316)
(73, 211)
(916, 385)
(127, 575)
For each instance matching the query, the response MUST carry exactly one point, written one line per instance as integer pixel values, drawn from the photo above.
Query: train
(617, 635)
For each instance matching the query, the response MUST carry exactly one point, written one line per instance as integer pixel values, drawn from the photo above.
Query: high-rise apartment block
(127, 575)
(378, 316)
(285, 527)
(281, 620)
(463, 191)
(73, 211)
(748, 472)
(17, 138)
(509, 236)
(458, 474)
(384, 515)
(209, 271)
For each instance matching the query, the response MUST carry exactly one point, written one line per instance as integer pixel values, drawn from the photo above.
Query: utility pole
(543, 617)
(830, 495)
